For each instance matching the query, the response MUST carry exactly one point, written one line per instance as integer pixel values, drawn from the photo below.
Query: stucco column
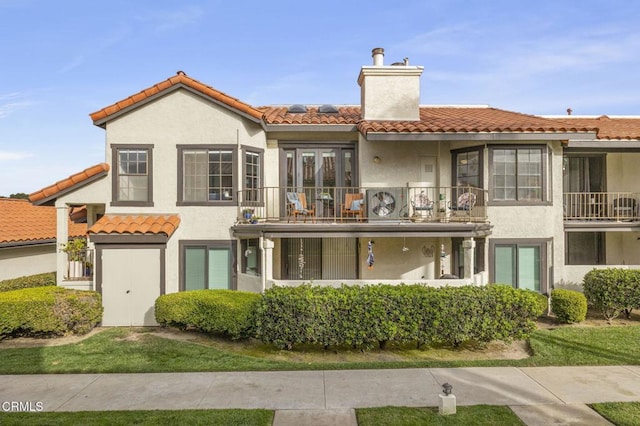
(469, 248)
(267, 261)
(62, 235)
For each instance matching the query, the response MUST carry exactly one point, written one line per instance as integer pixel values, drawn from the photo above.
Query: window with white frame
(252, 175)
(207, 175)
(132, 180)
(518, 174)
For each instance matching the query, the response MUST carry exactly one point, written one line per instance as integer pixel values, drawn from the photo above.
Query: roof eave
(27, 243)
(101, 122)
(605, 143)
(114, 238)
(50, 200)
(465, 136)
(310, 128)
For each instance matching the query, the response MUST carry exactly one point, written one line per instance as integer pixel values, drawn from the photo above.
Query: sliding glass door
(521, 264)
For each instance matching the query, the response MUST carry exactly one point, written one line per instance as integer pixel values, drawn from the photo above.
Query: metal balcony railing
(362, 204)
(612, 206)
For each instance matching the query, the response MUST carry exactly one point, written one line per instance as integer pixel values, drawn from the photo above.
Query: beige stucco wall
(390, 92)
(183, 118)
(623, 172)
(400, 162)
(393, 263)
(23, 261)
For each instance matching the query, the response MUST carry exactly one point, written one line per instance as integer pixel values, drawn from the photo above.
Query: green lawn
(177, 417)
(479, 415)
(121, 350)
(619, 413)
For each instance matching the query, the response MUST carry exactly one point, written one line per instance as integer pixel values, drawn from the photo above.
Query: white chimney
(378, 56)
(389, 92)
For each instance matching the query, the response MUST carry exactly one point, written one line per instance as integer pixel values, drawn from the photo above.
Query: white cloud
(74, 63)
(9, 156)
(11, 102)
(165, 20)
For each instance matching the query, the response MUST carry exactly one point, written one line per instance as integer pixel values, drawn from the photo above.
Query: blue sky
(62, 60)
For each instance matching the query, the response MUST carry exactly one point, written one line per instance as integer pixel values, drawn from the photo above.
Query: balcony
(601, 206)
(362, 205)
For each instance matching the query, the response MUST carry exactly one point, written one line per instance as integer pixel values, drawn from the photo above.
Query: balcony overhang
(363, 230)
(604, 145)
(601, 226)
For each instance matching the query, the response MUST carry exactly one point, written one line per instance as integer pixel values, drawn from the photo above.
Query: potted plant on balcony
(247, 214)
(75, 249)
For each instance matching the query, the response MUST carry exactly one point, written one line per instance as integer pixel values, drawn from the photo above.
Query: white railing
(613, 206)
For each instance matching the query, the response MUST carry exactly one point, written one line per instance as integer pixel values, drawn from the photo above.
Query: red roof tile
(470, 120)
(72, 181)
(142, 224)
(279, 115)
(21, 221)
(609, 128)
(445, 119)
(180, 78)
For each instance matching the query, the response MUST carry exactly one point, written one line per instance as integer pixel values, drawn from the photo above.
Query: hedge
(224, 312)
(612, 290)
(39, 280)
(376, 315)
(45, 311)
(568, 306)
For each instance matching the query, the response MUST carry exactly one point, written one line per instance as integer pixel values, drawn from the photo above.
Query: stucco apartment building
(201, 190)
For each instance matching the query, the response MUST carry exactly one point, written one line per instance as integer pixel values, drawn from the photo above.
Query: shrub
(568, 306)
(48, 311)
(224, 312)
(39, 280)
(542, 302)
(375, 315)
(612, 290)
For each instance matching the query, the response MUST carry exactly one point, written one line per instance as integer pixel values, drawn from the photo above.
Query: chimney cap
(378, 56)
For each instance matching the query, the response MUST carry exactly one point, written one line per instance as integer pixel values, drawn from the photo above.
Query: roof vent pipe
(378, 56)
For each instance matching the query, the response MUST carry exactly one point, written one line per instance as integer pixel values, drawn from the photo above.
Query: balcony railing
(612, 206)
(80, 265)
(362, 204)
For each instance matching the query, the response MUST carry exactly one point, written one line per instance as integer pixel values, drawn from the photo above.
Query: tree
(19, 195)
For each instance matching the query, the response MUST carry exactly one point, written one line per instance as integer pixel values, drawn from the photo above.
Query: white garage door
(130, 286)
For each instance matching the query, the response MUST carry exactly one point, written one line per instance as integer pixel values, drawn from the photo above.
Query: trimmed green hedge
(612, 290)
(543, 303)
(224, 312)
(375, 315)
(568, 306)
(48, 311)
(39, 280)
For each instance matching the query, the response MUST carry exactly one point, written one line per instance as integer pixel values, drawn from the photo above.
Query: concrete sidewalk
(538, 395)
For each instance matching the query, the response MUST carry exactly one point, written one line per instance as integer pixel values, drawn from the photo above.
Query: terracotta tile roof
(179, 78)
(141, 224)
(279, 115)
(470, 120)
(67, 184)
(437, 119)
(609, 128)
(21, 221)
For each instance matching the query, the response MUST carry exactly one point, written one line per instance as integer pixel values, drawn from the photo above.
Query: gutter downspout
(263, 264)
